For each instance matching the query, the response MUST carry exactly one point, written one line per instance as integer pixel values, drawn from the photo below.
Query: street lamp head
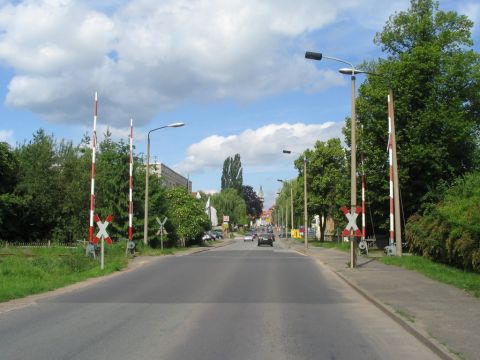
(280, 180)
(287, 151)
(178, 124)
(313, 55)
(350, 71)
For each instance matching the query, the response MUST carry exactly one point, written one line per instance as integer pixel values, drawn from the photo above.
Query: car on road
(265, 239)
(249, 236)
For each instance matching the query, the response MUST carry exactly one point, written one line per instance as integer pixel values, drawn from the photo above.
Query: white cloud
(7, 136)
(257, 147)
(145, 56)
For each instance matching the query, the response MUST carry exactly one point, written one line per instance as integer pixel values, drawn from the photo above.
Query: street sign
(102, 234)
(161, 230)
(352, 221)
(226, 218)
(102, 225)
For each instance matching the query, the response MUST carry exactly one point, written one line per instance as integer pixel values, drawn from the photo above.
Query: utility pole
(305, 199)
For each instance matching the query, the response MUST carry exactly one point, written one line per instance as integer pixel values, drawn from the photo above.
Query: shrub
(450, 231)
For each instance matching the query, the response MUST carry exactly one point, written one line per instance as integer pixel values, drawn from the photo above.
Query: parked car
(265, 239)
(208, 235)
(218, 234)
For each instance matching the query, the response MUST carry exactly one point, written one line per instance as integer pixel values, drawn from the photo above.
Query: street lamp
(353, 179)
(393, 160)
(147, 173)
(280, 215)
(304, 195)
(291, 204)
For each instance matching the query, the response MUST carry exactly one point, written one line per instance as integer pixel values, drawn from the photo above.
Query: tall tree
(252, 201)
(326, 170)
(38, 185)
(187, 217)
(8, 168)
(435, 77)
(229, 202)
(232, 174)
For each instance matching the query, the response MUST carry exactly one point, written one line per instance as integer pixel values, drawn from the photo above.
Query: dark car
(265, 239)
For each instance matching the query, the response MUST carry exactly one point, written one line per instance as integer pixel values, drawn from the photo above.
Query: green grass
(342, 246)
(31, 271)
(468, 281)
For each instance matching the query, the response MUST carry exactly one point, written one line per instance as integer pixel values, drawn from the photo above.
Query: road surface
(235, 302)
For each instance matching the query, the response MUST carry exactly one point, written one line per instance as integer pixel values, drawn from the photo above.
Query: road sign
(226, 218)
(102, 225)
(352, 221)
(161, 230)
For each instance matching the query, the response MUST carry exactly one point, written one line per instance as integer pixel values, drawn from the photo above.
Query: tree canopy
(232, 173)
(435, 77)
(252, 201)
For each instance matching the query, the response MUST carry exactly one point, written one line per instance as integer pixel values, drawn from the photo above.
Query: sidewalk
(444, 316)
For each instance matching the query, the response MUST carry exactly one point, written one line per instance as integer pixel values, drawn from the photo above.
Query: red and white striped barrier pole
(130, 194)
(92, 188)
(390, 162)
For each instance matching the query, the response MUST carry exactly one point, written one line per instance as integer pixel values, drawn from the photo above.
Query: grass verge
(34, 270)
(468, 281)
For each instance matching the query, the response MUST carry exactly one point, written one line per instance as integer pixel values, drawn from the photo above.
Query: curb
(438, 349)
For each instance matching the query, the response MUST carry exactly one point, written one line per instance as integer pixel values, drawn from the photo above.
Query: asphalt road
(234, 302)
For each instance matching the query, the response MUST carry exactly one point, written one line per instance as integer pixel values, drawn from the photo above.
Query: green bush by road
(449, 231)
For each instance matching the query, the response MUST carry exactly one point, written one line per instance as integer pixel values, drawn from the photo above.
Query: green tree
(11, 206)
(449, 232)
(74, 164)
(39, 187)
(252, 201)
(327, 186)
(187, 217)
(8, 168)
(229, 202)
(232, 173)
(435, 76)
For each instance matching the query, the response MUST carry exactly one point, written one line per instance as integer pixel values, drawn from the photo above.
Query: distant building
(265, 218)
(170, 178)
(261, 196)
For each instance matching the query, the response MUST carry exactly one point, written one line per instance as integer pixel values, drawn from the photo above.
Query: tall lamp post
(291, 203)
(280, 213)
(353, 176)
(393, 160)
(305, 230)
(147, 173)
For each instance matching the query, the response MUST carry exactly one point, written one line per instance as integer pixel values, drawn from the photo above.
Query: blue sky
(233, 71)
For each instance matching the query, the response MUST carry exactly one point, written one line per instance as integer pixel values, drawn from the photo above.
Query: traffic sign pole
(102, 254)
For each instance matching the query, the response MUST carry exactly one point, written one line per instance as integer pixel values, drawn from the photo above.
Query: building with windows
(170, 177)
